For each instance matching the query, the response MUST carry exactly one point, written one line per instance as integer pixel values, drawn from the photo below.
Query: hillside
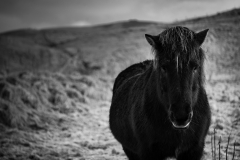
(56, 85)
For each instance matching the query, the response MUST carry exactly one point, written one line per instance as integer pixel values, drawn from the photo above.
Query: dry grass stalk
(219, 146)
(213, 147)
(234, 150)
(214, 135)
(227, 146)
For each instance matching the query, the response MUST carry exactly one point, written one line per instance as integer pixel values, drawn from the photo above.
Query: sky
(16, 14)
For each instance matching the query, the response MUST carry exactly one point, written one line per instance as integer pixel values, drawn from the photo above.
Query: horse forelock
(177, 43)
(177, 38)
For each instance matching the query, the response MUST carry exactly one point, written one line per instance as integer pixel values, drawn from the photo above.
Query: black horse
(159, 107)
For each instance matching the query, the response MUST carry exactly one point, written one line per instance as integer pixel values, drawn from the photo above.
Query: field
(56, 86)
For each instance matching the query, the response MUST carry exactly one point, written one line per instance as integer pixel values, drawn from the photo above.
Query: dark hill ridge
(35, 49)
(129, 24)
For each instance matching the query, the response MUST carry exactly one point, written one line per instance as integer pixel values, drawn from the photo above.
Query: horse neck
(152, 84)
(154, 108)
(153, 88)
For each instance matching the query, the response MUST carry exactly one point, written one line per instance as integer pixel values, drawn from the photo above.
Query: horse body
(141, 122)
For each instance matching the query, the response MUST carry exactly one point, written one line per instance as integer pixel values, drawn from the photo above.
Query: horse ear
(152, 40)
(200, 36)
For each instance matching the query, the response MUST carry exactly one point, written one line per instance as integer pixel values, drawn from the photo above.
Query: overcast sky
(16, 14)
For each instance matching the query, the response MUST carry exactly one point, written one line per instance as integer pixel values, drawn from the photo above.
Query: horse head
(178, 64)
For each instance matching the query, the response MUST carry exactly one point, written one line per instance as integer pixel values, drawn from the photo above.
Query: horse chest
(171, 143)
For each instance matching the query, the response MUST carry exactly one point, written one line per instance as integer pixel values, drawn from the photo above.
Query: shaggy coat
(159, 107)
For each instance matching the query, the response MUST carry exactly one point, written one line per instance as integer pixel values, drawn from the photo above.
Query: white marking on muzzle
(181, 126)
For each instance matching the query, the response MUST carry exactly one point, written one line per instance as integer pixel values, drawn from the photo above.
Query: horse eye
(195, 67)
(164, 68)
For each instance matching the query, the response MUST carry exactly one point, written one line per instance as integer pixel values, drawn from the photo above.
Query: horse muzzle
(181, 122)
